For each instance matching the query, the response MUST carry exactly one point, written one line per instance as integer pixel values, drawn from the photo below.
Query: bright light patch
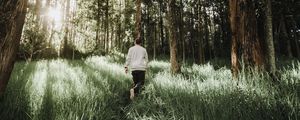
(37, 86)
(55, 14)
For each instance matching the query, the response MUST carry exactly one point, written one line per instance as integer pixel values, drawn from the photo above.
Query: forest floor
(98, 88)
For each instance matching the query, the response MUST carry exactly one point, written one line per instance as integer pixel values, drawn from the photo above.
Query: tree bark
(66, 47)
(296, 35)
(98, 23)
(161, 24)
(45, 24)
(233, 7)
(181, 31)
(244, 35)
(270, 62)
(138, 19)
(107, 27)
(12, 14)
(154, 41)
(201, 37)
(175, 68)
(286, 36)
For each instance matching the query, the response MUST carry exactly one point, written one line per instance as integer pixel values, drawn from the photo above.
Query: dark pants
(138, 79)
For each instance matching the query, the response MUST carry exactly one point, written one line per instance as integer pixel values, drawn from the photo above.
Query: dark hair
(138, 41)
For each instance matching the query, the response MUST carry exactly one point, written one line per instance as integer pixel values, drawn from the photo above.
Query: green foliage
(98, 88)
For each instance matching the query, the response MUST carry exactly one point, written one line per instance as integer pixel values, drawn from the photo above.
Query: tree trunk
(206, 33)
(270, 62)
(98, 23)
(295, 34)
(286, 37)
(138, 19)
(149, 31)
(244, 35)
(45, 23)
(12, 14)
(297, 44)
(111, 37)
(107, 27)
(66, 47)
(161, 27)
(201, 38)
(154, 41)
(175, 68)
(234, 41)
(181, 31)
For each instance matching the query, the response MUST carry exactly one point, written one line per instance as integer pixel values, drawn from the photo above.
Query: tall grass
(98, 88)
(203, 93)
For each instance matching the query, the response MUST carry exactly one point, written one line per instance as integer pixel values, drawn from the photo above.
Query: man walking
(137, 59)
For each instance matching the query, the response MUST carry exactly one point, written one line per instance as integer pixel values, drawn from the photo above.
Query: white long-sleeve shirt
(137, 58)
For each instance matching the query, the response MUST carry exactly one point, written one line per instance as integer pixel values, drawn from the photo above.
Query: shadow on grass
(47, 106)
(15, 102)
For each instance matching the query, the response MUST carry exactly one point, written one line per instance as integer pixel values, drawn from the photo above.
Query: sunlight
(67, 80)
(37, 86)
(55, 14)
(104, 64)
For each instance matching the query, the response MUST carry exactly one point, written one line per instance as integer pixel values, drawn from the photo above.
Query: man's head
(138, 41)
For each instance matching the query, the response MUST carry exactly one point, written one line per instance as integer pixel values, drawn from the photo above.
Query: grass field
(97, 88)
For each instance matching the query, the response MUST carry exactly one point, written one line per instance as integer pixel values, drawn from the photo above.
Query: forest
(208, 59)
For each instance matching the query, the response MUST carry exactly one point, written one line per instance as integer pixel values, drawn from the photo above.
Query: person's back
(137, 60)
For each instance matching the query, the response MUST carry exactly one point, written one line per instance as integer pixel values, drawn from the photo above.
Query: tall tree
(181, 30)
(107, 26)
(98, 23)
(138, 18)
(161, 25)
(244, 35)
(270, 61)
(12, 14)
(175, 68)
(200, 31)
(65, 49)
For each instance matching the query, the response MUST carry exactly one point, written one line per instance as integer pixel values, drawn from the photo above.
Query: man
(137, 60)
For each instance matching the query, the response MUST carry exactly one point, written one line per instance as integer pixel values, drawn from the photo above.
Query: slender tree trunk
(111, 37)
(119, 34)
(297, 44)
(191, 43)
(206, 33)
(138, 19)
(181, 31)
(271, 66)
(296, 35)
(102, 34)
(154, 41)
(12, 14)
(161, 27)
(200, 31)
(45, 23)
(148, 26)
(98, 23)
(285, 36)
(66, 36)
(107, 26)
(175, 68)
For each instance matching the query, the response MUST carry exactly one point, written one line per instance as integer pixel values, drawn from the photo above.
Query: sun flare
(55, 14)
